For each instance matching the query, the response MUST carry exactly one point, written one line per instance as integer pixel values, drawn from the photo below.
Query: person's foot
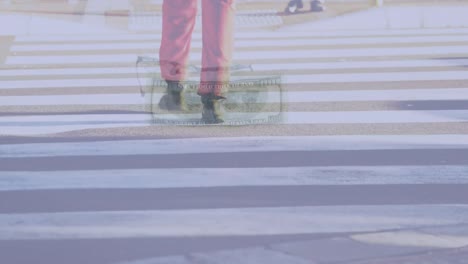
(213, 112)
(293, 6)
(317, 6)
(174, 99)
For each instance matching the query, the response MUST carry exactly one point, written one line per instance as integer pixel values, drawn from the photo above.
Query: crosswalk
(373, 138)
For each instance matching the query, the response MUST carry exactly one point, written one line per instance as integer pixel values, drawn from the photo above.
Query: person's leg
(218, 41)
(178, 23)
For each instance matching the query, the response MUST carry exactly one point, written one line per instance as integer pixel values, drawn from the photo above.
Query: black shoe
(174, 99)
(213, 112)
(316, 6)
(293, 6)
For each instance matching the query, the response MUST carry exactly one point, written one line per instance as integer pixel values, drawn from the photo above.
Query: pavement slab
(340, 249)
(160, 260)
(248, 256)
(458, 230)
(413, 239)
(458, 256)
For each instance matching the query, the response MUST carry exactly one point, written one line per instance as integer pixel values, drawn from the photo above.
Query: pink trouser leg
(178, 22)
(218, 27)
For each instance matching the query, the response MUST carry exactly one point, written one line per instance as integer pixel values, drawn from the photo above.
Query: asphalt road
(373, 138)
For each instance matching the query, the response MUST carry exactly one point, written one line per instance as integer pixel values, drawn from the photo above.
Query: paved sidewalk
(137, 16)
(394, 16)
(140, 16)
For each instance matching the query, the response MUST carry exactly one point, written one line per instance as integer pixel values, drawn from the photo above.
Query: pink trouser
(217, 38)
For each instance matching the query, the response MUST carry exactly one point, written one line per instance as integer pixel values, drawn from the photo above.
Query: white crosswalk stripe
(372, 137)
(286, 79)
(242, 144)
(252, 35)
(246, 43)
(270, 97)
(247, 55)
(229, 177)
(213, 222)
(256, 67)
(38, 124)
